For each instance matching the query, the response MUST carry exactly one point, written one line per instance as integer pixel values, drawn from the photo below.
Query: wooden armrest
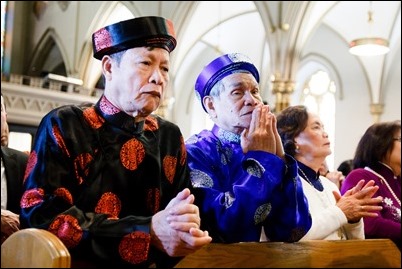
(34, 248)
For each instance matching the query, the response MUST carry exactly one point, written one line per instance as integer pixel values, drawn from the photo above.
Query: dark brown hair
(375, 144)
(291, 122)
(345, 167)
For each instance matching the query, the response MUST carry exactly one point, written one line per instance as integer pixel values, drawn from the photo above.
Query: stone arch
(50, 56)
(89, 67)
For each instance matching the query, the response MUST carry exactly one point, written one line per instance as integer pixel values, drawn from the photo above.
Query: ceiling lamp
(369, 46)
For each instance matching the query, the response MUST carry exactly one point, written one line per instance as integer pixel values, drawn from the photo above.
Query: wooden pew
(34, 248)
(369, 253)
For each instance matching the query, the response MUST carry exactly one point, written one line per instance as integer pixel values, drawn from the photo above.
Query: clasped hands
(358, 202)
(263, 133)
(176, 229)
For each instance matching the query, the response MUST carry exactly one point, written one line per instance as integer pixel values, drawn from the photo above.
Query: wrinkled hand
(336, 176)
(262, 134)
(358, 202)
(176, 229)
(280, 151)
(10, 223)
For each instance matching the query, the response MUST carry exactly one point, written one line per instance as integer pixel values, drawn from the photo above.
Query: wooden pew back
(34, 248)
(369, 253)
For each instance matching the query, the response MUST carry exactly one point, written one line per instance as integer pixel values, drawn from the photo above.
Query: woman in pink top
(378, 158)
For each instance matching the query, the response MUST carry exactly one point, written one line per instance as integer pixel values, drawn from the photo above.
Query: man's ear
(107, 63)
(208, 102)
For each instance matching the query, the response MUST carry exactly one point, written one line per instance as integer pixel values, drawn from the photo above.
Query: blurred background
(302, 49)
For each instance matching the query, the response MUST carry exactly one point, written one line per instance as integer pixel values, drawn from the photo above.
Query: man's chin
(146, 111)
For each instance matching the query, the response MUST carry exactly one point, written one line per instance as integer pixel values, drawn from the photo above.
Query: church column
(283, 90)
(376, 110)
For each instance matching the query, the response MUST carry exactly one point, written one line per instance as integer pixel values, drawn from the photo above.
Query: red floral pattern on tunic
(32, 160)
(32, 198)
(109, 204)
(81, 164)
(134, 247)
(93, 118)
(67, 228)
(64, 194)
(107, 107)
(132, 154)
(153, 200)
(140, 182)
(151, 124)
(59, 140)
(183, 151)
(169, 167)
(102, 39)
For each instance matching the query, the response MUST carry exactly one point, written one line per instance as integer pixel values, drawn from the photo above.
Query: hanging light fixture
(369, 46)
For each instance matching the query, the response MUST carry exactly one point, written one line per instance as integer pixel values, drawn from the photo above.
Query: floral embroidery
(262, 213)
(229, 199)
(254, 167)
(67, 228)
(32, 198)
(110, 205)
(169, 167)
(132, 154)
(201, 179)
(134, 247)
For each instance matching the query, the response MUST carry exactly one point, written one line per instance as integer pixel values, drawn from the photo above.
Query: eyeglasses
(398, 139)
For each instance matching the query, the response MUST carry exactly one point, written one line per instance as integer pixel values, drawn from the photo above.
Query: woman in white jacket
(334, 217)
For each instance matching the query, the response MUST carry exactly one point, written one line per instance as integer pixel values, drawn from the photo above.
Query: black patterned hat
(148, 31)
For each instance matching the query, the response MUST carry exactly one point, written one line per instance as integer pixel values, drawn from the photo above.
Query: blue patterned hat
(221, 67)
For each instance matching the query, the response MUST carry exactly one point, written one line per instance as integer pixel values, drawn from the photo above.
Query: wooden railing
(369, 253)
(36, 247)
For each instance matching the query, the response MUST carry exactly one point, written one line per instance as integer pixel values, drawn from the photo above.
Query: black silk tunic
(95, 178)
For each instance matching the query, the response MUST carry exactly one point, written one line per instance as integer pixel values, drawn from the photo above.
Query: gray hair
(218, 88)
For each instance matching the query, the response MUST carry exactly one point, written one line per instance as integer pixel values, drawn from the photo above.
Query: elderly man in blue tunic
(244, 183)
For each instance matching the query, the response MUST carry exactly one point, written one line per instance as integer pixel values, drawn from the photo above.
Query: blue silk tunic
(239, 193)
